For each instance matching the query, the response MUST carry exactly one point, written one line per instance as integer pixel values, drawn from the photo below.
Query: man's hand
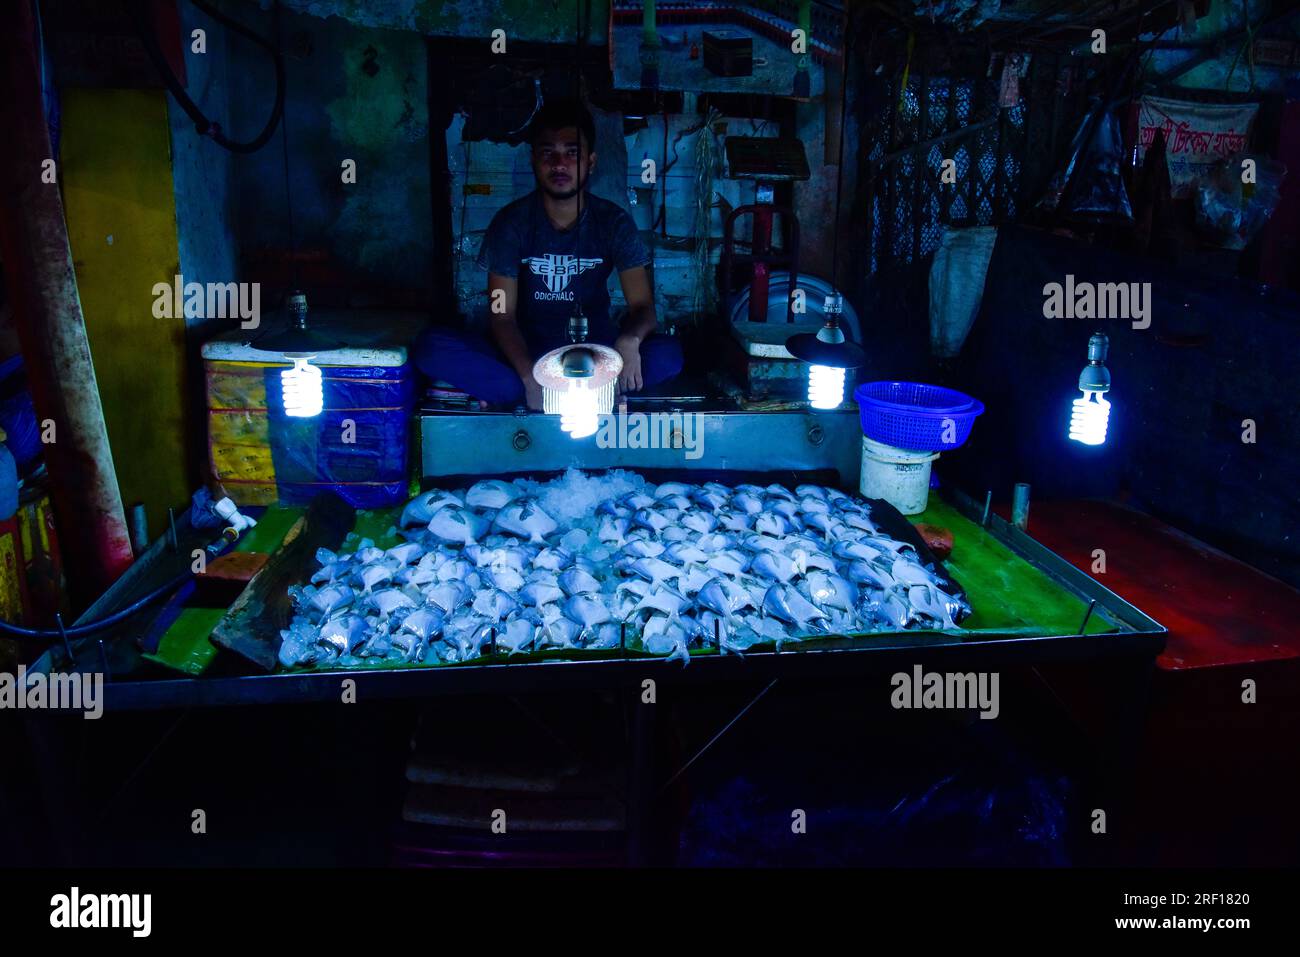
(629, 347)
(532, 393)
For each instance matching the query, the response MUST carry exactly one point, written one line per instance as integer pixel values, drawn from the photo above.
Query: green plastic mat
(270, 529)
(184, 646)
(1006, 593)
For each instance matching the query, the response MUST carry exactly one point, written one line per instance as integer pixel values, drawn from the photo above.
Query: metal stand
(766, 161)
(640, 787)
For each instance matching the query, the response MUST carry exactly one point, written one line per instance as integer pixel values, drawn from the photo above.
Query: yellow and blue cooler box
(358, 446)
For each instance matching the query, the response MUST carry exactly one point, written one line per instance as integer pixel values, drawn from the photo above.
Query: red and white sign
(1197, 135)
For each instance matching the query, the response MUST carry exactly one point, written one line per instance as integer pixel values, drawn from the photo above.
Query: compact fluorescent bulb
(1091, 411)
(825, 387)
(578, 413)
(304, 395)
(1089, 417)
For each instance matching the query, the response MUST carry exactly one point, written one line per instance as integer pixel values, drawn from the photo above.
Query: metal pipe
(1087, 616)
(51, 328)
(139, 529)
(1020, 506)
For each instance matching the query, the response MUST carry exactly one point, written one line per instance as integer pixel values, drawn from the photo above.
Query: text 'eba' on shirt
(552, 266)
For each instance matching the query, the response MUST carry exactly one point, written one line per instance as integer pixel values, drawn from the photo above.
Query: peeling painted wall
(353, 93)
(203, 186)
(201, 170)
(525, 20)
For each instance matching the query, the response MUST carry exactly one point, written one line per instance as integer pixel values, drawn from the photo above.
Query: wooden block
(939, 539)
(227, 576)
(237, 566)
(252, 626)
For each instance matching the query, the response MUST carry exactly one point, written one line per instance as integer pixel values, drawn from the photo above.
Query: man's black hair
(557, 114)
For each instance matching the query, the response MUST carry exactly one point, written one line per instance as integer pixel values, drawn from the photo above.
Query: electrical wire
(579, 46)
(284, 149)
(669, 164)
(204, 126)
(839, 168)
(94, 627)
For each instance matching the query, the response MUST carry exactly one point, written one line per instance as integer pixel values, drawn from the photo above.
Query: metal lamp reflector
(301, 385)
(578, 383)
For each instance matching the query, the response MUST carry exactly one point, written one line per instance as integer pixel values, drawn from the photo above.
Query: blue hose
(81, 631)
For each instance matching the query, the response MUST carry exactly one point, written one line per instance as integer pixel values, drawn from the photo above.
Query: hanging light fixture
(828, 355)
(302, 385)
(578, 380)
(1091, 412)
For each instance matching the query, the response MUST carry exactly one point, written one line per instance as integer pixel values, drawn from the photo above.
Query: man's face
(561, 162)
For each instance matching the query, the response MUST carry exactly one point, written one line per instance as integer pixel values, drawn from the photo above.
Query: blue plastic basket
(913, 415)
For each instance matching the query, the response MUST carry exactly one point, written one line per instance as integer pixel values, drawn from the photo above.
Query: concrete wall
(357, 89)
(353, 93)
(203, 187)
(525, 20)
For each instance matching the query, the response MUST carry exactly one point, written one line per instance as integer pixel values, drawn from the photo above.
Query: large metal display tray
(1113, 628)
(1030, 605)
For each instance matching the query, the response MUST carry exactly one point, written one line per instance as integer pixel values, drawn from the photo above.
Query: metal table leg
(640, 784)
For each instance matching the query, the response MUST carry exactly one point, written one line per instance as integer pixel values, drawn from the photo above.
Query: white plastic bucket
(900, 476)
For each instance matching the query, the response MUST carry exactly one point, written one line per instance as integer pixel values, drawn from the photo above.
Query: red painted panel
(1219, 611)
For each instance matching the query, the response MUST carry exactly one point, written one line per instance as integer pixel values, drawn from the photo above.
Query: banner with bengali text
(1197, 135)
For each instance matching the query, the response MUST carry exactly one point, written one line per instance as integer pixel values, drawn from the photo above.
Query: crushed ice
(527, 566)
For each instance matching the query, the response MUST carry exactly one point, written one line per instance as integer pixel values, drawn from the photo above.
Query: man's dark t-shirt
(551, 266)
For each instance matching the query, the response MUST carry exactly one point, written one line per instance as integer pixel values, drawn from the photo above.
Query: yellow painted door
(117, 191)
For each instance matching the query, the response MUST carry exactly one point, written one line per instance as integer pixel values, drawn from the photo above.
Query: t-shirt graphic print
(556, 271)
(555, 267)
